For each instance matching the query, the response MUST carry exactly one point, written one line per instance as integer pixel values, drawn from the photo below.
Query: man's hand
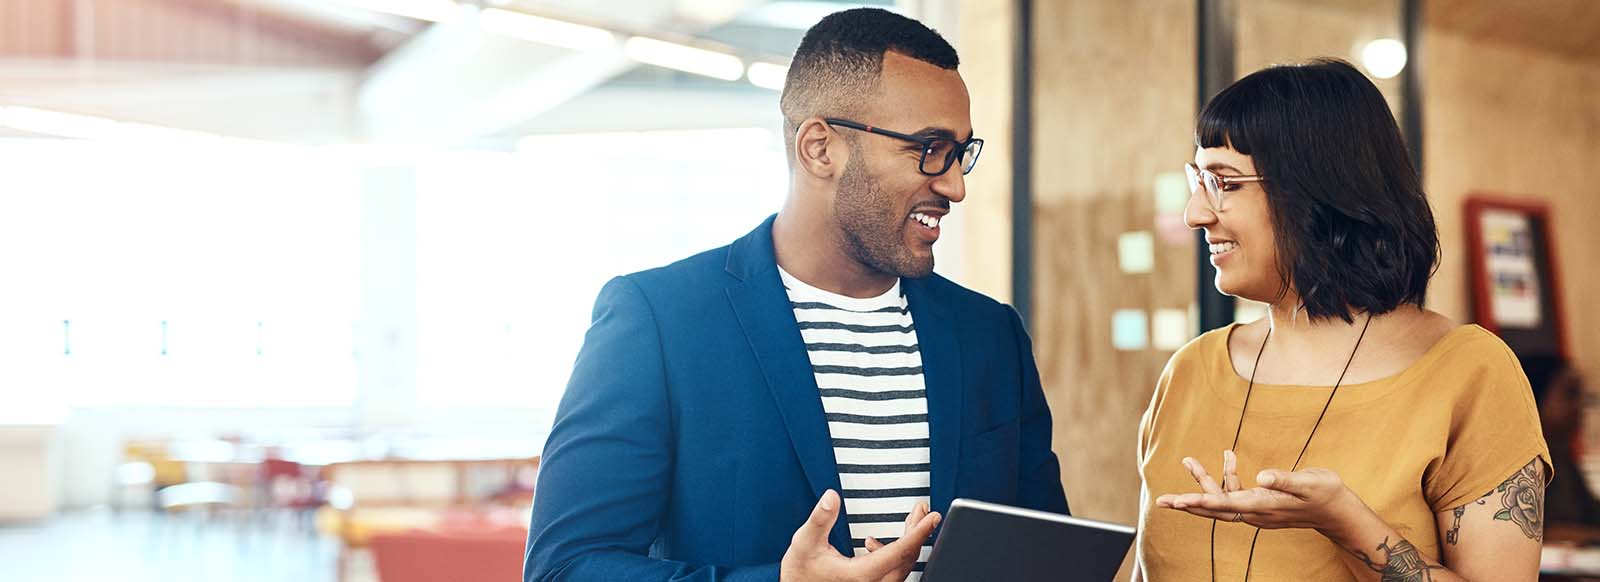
(811, 559)
(913, 521)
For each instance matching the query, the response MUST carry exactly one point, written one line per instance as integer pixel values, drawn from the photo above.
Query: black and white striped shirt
(868, 366)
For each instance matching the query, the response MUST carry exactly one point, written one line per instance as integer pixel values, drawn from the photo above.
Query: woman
(1360, 436)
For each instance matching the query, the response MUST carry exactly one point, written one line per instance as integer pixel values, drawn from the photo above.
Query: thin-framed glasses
(938, 153)
(1217, 186)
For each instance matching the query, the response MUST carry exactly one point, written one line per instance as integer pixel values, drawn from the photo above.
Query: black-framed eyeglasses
(938, 153)
(1217, 186)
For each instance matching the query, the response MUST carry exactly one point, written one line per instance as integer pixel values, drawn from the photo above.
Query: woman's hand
(1312, 498)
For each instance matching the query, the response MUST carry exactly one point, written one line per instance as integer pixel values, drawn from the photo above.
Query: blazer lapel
(764, 312)
(942, 376)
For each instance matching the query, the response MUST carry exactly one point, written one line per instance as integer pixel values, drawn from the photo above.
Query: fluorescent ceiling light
(684, 58)
(654, 143)
(90, 127)
(375, 154)
(429, 10)
(767, 75)
(710, 11)
(798, 15)
(56, 123)
(545, 31)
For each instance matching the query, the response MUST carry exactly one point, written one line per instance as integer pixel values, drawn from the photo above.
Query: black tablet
(989, 541)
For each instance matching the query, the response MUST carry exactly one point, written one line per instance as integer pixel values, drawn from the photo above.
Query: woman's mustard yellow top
(1442, 433)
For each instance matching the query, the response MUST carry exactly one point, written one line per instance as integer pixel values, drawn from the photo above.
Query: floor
(144, 546)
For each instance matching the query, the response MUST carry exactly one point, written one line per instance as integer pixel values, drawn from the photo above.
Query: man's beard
(874, 230)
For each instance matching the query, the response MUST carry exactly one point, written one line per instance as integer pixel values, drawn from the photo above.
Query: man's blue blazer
(691, 442)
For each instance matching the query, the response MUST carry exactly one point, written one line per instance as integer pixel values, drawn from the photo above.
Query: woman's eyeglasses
(1217, 186)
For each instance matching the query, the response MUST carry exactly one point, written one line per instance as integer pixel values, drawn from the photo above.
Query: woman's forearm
(1375, 552)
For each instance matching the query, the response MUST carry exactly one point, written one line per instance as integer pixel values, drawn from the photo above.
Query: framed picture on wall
(1516, 291)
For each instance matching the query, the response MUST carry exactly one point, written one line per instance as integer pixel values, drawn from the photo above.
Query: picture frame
(1514, 277)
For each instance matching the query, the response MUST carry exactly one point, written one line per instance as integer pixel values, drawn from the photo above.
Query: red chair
(287, 486)
(458, 555)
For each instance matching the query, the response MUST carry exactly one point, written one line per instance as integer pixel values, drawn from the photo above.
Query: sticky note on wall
(1129, 329)
(1136, 251)
(1170, 329)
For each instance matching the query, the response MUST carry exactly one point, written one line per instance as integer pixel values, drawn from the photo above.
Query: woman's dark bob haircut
(1355, 234)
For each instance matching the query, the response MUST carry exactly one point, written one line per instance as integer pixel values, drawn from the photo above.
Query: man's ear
(819, 150)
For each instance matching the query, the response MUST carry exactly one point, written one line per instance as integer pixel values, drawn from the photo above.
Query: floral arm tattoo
(1521, 503)
(1522, 500)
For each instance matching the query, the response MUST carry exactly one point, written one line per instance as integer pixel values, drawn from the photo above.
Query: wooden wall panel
(1523, 123)
(34, 28)
(215, 31)
(987, 29)
(1564, 27)
(1290, 31)
(1114, 107)
(186, 31)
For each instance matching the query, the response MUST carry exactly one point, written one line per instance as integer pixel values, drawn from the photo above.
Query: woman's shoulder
(1198, 358)
(1467, 352)
(1209, 347)
(1470, 342)
(1185, 370)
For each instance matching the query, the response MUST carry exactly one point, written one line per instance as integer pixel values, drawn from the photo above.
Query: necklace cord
(1250, 560)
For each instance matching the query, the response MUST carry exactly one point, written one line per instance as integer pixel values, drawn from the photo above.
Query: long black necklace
(1250, 560)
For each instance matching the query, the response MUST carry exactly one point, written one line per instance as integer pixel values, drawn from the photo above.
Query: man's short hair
(840, 62)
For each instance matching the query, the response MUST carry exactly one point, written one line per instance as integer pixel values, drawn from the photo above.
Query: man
(721, 405)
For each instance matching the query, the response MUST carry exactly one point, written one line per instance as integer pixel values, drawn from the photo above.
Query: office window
(512, 249)
(222, 275)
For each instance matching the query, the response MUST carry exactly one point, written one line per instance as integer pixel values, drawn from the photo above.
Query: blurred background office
(289, 289)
